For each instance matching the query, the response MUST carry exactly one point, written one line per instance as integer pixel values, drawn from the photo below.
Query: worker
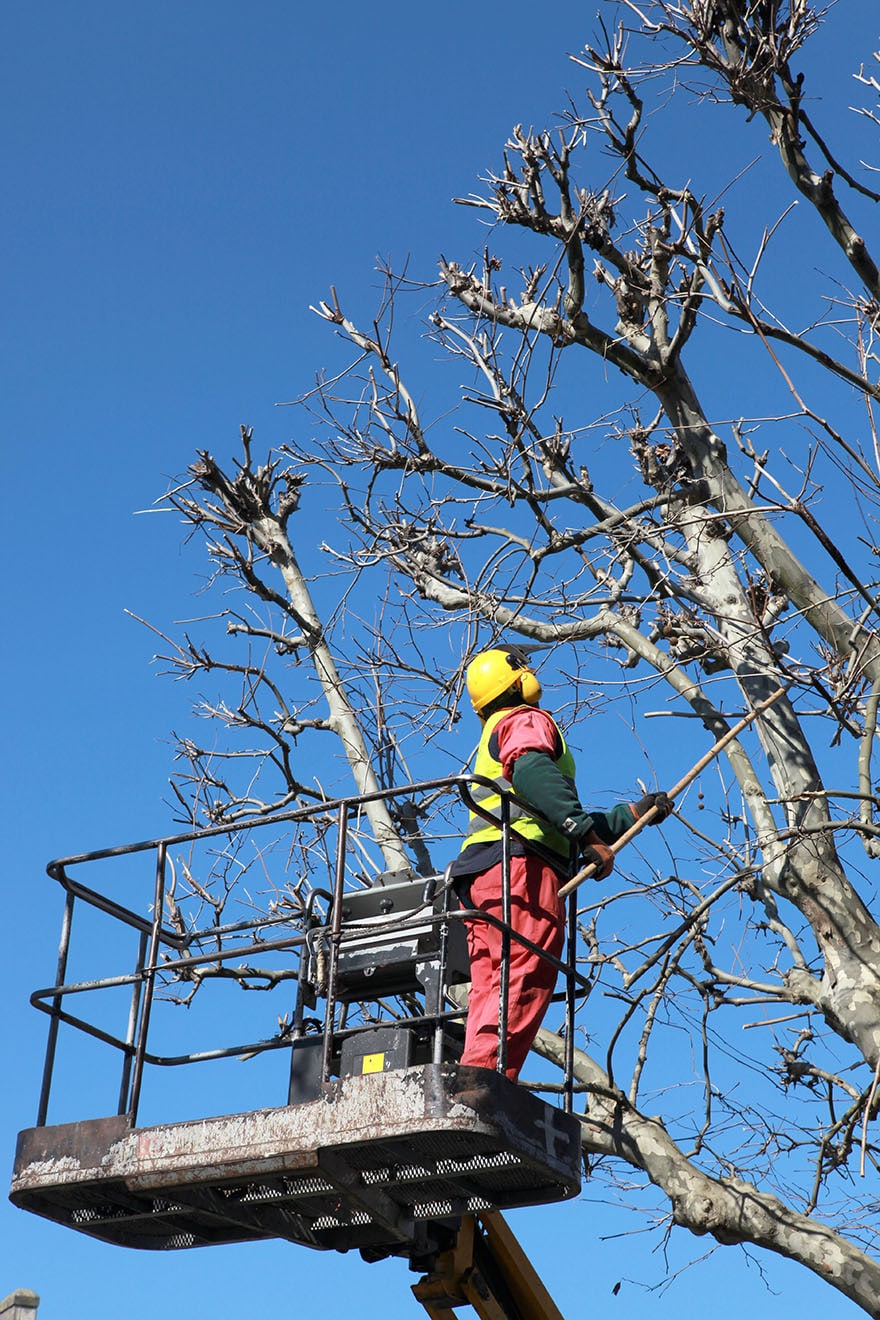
(522, 748)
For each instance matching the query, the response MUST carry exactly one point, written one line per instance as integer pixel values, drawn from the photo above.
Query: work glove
(661, 801)
(599, 855)
(594, 852)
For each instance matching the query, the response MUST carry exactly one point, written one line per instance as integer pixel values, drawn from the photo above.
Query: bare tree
(700, 558)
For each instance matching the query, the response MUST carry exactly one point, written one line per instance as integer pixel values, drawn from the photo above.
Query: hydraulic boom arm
(487, 1269)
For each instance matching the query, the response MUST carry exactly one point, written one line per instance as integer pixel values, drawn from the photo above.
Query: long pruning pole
(673, 793)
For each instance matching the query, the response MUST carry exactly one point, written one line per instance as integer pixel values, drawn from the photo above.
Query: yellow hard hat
(493, 672)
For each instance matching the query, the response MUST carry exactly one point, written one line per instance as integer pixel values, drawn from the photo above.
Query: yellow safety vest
(489, 767)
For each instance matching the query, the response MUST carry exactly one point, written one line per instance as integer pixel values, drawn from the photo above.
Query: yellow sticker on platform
(373, 1063)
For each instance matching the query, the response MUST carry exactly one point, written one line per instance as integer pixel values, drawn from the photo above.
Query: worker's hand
(599, 855)
(660, 801)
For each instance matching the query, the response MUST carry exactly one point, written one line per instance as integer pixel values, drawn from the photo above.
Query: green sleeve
(609, 825)
(538, 780)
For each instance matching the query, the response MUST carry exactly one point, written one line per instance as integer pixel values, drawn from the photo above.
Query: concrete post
(20, 1305)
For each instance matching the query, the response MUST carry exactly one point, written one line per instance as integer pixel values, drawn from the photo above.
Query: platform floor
(365, 1166)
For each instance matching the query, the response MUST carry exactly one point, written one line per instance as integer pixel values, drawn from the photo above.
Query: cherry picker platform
(374, 1164)
(384, 1142)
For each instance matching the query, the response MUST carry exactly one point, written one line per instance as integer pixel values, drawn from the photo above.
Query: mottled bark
(251, 507)
(728, 1209)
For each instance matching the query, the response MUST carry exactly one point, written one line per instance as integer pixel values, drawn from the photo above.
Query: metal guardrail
(156, 941)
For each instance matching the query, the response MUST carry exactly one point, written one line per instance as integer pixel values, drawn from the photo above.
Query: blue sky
(181, 181)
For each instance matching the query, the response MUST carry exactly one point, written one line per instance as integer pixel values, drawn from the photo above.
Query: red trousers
(537, 912)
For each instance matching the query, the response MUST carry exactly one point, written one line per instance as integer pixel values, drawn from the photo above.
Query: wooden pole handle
(673, 793)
